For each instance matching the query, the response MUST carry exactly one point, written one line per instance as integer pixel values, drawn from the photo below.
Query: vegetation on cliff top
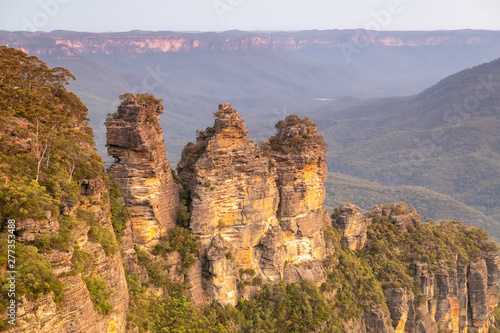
(294, 135)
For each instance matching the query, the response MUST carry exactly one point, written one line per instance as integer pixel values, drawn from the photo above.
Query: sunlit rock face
(299, 154)
(141, 168)
(353, 224)
(244, 210)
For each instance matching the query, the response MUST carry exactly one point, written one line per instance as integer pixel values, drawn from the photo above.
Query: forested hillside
(444, 139)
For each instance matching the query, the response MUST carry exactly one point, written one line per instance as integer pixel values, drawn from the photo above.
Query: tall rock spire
(236, 210)
(135, 140)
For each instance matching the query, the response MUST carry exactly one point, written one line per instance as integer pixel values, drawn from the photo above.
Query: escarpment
(141, 168)
(453, 291)
(79, 310)
(244, 208)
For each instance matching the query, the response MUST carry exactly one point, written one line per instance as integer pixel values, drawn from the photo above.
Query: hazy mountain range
(443, 137)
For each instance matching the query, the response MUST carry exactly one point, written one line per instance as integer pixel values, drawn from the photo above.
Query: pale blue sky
(218, 15)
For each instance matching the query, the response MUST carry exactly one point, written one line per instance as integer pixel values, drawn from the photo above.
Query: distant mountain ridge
(73, 44)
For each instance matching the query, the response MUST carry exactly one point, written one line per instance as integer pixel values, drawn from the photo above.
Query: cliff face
(462, 299)
(455, 296)
(141, 168)
(299, 154)
(456, 300)
(243, 207)
(353, 224)
(77, 313)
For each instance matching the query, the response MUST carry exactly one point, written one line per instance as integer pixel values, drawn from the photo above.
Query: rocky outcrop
(456, 296)
(29, 229)
(76, 313)
(234, 201)
(353, 224)
(299, 154)
(250, 208)
(141, 168)
(400, 215)
(454, 299)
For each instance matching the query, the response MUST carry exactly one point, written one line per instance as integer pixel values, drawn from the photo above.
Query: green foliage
(119, 212)
(23, 198)
(180, 240)
(356, 285)
(156, 266)
(99, 294)
(430, 244)
(247, 271)
(171, 312)
(298, 307)
(206, 134)
(97, 233)
(191, 153)
(333, 236)
(179, 315)
(104, 237)
(142, 99)
(257, 281)
(176, 177)
(282, 143)
(183, 216)
(46, 146)
(81, 261)
(342, 188)
(34, 276)
(151, 104)
(64, 238)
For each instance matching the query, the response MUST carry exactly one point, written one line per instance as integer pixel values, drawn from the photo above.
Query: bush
(99, 294)
(24, 198)
(34, 277)
(65, 237)
(81, 261)
(105, 238)
(119, 212)
(97, 233)
(183, 215)
(257, 281)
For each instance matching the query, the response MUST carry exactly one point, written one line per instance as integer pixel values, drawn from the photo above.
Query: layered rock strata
(299, 154)
(456, 298)
(76, 313)
(353, 224)
(245, 210)
(141, 168)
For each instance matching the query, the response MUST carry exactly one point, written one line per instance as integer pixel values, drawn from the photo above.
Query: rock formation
(299, 155)
(76, 313)
(141, 168)
(400, 215)
(244, 207)
(353, 224)
(456, 297)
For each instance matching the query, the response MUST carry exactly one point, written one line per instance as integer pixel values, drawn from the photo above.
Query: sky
(267, 15)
